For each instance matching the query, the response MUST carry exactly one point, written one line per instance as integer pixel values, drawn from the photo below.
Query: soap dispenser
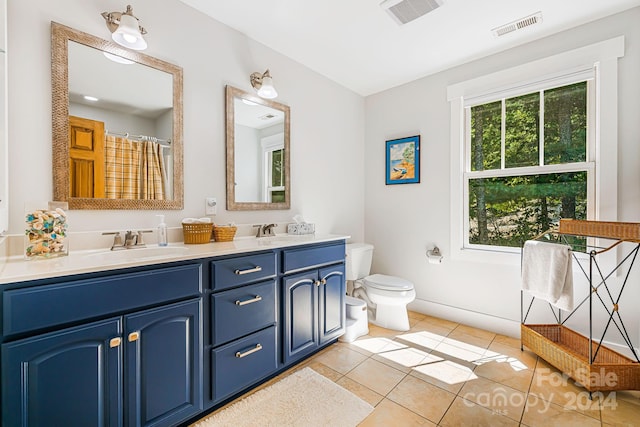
(162, 232)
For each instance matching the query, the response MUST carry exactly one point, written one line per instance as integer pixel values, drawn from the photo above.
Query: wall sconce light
(126, 29)
(263, 83)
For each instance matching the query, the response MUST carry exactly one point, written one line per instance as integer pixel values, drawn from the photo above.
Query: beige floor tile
(444, 323)
(369, 346)
(507, 371)
(424, 340)
(551, 385)
(460, 351)
(464, 413)
(428, 325)
(422, 398)
(476, 332)
(461, 335)
(415, 315)
(508, 341)
(495, 396)
(323, 369)
(620, 411)
(364, 393)
(445, 374)
(341, 359)
(541, 413)
(526, 357)
(377, 376)
(377, 331)
(388, 414)
(403, 359)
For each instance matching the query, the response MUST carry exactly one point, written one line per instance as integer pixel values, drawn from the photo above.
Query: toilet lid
(388, 283)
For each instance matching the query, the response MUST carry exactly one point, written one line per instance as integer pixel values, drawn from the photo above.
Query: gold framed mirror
(138, 113)
(258, 149)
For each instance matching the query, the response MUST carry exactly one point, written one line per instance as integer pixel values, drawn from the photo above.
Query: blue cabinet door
(331, 304)
(67, 378)
(300, 315)
(163, 364)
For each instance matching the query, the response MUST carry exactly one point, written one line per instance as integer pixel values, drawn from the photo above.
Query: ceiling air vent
(525, 22)
(404, 11)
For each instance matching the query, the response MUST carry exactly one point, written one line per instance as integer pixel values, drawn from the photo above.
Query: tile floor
(448, 374)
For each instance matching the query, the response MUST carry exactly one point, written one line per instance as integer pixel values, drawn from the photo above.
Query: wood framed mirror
(138, 112)
(258, 148)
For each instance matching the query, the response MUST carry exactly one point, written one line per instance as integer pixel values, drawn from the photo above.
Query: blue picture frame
(403, 160)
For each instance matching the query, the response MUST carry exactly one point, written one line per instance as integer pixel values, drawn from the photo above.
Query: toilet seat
(387, 283)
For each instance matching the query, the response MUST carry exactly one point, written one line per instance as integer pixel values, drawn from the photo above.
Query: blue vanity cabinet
(137, 360)
(67, 378)
(244, 318)
(162, 370)
(313, 300)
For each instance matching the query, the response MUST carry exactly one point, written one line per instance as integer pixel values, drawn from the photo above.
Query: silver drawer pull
(249, 301)
(251, 270)
(240, 355)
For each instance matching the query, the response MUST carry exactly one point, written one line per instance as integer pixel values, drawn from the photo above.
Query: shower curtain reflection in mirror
(134, 170)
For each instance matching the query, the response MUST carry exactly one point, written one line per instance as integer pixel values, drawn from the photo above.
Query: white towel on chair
(547, 272)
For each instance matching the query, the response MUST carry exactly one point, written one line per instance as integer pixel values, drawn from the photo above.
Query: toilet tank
(359, 256)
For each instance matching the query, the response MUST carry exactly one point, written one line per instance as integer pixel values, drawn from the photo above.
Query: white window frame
(269, 145)
(596, 62)
(588, 166)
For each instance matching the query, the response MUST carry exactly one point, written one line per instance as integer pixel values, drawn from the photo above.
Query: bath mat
(304, 398)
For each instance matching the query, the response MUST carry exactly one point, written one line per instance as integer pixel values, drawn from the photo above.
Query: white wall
(402, 221)
(327, 120)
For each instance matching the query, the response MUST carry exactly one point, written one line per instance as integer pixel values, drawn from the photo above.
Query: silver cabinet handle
(249, 301)
(240, 355)
(255, 269)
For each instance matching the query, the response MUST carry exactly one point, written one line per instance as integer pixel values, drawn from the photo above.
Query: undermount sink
(154, 252)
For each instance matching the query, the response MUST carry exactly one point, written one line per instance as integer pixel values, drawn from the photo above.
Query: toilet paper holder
(434, 255)
(434, 252)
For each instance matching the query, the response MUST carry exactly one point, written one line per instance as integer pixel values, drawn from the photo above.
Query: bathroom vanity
(159, 342)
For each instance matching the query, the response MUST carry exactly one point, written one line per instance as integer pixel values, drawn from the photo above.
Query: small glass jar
(46, 230)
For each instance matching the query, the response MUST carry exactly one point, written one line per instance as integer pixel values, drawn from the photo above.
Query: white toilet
(386, 296)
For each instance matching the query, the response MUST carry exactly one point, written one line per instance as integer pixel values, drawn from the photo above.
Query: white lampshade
(128, 33)
(267, 90)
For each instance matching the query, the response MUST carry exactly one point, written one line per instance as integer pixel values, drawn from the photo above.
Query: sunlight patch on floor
(408, 357)
(447, 371)
(378, 345)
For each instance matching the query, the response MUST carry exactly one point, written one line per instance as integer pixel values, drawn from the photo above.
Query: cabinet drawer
(238, 271)
(44, 306)
(238, 312)
(297, 259)
(243, 362)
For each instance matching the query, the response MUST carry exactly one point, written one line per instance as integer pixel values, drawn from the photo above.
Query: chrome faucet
(132, 239)
(265, 230)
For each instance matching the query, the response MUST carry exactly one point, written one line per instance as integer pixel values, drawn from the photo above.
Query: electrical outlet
(210, 206)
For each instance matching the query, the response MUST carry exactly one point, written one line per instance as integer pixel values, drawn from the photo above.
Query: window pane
(565, 124)
(277, 171)
(486, 121)
(506, 211)
(522, 131)
(278, 196)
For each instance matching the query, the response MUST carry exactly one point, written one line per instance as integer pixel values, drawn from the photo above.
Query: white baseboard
(488, 322)
(495, 324)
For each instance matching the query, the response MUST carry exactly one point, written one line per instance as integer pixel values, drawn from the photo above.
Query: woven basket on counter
(197, 233)
(224, 233)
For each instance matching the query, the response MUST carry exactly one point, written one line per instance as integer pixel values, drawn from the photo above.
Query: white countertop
(18, 269)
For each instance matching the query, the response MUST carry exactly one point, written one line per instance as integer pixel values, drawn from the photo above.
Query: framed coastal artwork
(403, 160)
